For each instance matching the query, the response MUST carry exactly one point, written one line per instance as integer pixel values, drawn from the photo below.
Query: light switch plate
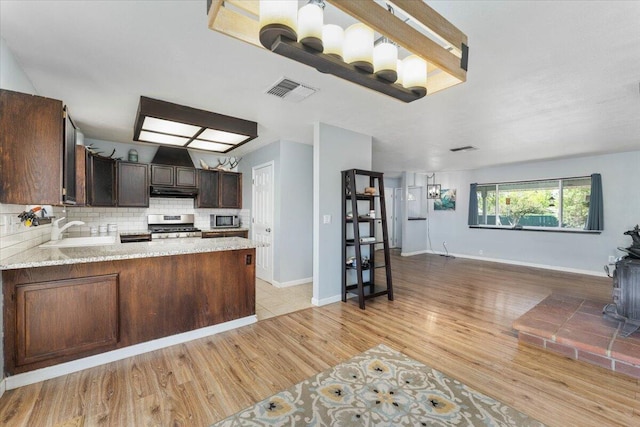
(326, 219)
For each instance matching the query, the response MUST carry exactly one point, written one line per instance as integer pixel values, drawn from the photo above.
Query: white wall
(293, 207)
(567, 251)
(12, 77)
(334, 150)
(296, 212)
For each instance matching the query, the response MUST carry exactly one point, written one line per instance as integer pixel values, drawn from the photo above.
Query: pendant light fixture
(300, 35)
(358, 47)
(278, 18)
(310, 20)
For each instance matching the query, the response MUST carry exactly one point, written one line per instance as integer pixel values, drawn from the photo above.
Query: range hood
(172, 156)
(175, 192)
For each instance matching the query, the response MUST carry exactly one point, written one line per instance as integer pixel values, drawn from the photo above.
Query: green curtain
(473, 204)
(595, 220)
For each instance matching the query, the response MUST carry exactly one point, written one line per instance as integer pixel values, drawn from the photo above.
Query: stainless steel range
(172, 226)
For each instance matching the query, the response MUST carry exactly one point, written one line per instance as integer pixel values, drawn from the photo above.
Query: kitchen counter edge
(45, 257)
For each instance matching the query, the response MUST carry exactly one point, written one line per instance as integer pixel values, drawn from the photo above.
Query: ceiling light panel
(160, 138)
(167, 123)
(221, 136)
(167, 126)
(210, 146)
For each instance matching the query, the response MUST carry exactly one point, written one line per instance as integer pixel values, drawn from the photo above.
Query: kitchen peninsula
(63, 304)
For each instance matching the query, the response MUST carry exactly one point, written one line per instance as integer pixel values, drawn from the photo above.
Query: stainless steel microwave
(225, 221)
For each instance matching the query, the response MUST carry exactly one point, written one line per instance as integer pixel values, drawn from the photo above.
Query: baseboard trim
(415, 253)
(325, 301)
(292, 282)
(524, 264)
(3, 386)
(43, 374)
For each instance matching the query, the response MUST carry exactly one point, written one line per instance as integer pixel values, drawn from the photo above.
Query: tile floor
(272, 301)
(576, 328)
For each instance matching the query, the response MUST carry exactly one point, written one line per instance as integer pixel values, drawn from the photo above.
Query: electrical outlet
(326, 219)
(481, 252)
(612, 259)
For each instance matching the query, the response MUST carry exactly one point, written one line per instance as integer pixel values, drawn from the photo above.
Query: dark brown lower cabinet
(61, 313)
(62, 318)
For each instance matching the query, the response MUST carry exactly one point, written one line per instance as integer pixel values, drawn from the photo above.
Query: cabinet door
(162, 175)
(69, 161)
(230, 190)
(101, 181)
(31, 137)
(81, 175)
(185, 177)
(208, 189)
(133, 185)
(65, 318)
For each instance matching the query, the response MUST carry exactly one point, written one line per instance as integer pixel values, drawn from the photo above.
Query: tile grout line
(613, 338)
(566, 320)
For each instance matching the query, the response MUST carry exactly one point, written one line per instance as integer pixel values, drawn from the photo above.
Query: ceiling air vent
(291, 91)
(466, 148)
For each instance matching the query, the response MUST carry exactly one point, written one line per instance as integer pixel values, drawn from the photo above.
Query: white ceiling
(546, 79)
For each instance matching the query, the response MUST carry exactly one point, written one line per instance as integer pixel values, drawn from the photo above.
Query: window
(555, 203)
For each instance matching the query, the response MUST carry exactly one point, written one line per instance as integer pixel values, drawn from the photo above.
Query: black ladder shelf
(354, 245)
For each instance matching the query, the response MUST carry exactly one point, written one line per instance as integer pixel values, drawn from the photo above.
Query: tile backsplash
(135, 219)
(15, 237)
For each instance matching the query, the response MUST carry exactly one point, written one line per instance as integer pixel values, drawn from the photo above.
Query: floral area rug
(379, 387)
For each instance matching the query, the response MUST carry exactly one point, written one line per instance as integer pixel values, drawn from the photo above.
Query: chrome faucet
(56, 230)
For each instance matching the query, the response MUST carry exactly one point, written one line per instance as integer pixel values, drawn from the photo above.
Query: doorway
(262, 196)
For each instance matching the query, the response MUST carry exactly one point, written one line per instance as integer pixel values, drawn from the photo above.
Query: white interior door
(262, 220)
(397, 215)
(388, 204)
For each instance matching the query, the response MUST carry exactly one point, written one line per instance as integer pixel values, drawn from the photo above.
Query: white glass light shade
(414, 73)
(222, 136)
(310, 20)
(282, 12)
(385, 61)
(209, 146)
(167, 126)
(333, 39)
(162, 138)
(358, 46)
(399, 71)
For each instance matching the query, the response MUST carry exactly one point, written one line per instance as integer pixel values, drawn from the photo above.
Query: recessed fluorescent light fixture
(166, 123)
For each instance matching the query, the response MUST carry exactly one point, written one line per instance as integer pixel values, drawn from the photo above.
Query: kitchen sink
(75, 242)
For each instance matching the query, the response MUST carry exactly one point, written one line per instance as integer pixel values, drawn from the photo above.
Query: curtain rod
(534, 180)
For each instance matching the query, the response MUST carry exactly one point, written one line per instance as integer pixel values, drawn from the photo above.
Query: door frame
(273, 208)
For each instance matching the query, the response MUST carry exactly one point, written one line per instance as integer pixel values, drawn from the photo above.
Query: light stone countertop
(42, 257)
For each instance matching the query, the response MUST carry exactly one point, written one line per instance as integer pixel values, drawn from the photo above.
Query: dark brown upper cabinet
(230, 187)
(101, 181)
(173, 176)
(133, 185)
(219, 189)
(34, 144)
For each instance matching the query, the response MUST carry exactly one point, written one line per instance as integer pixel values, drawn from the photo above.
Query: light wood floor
(454, 315)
